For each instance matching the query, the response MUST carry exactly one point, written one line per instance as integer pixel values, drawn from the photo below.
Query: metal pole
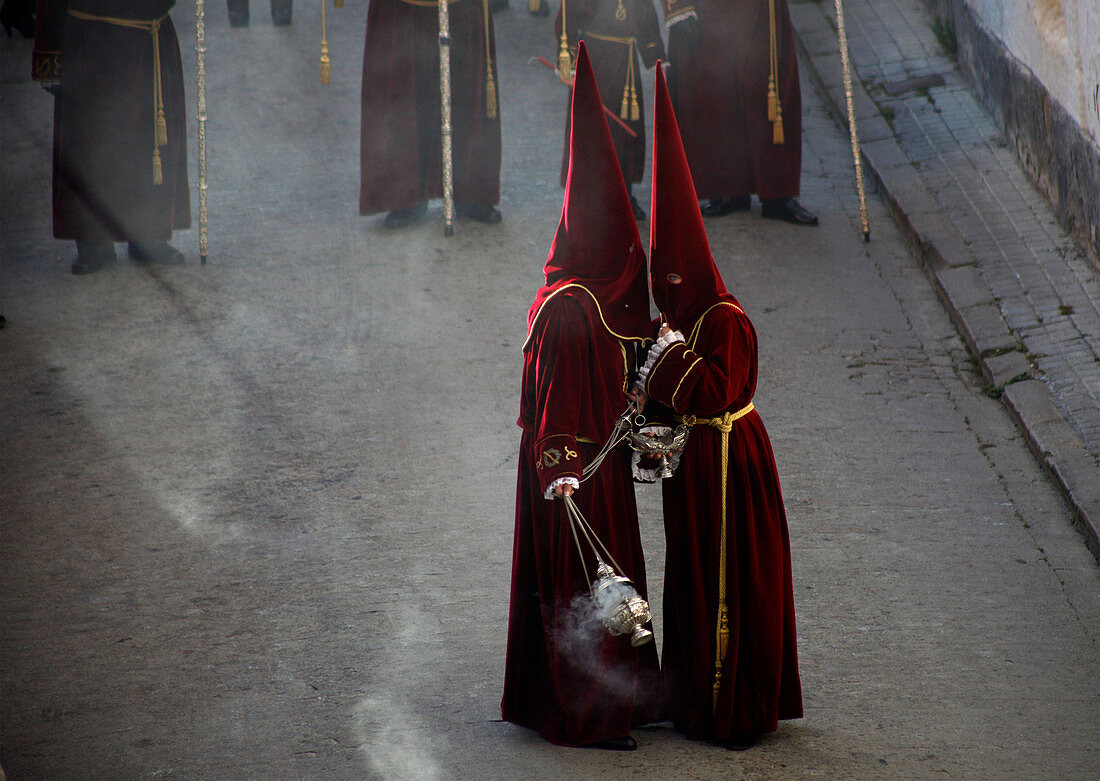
(857, 158)
(200, 56)
(445, 105)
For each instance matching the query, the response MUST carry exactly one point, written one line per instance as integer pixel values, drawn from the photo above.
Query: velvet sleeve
(49, 16)
(560, 377)
(712, 374)
(677, 9)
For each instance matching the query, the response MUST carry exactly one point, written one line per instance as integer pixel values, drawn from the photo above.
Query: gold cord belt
(724, 424)
(160, 125)
(629, 108)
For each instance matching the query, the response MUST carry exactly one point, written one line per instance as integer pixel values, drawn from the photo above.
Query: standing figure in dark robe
(401, 136)
(565, 675)
(620, 36)
(734, 85)
(730, 659)
(120, 140)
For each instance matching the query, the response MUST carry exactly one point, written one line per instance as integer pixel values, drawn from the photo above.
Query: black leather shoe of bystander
(478, 212)
(788, 210)
(91, 256)
(719, 207)
(403, 218)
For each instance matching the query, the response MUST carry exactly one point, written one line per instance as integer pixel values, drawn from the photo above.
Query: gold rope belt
(160, 125)
(629, 108)
(724, 424)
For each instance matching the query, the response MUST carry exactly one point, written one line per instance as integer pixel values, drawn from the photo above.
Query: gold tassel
(565, 62)
(720, 650)
(773, 99)
(490, 94)
(624, 107)
(777, 132)
(635, 111)
(162, 128)
(158, 171)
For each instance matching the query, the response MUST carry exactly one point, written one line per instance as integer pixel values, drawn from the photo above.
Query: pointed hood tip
(683, 274)
(597, 244)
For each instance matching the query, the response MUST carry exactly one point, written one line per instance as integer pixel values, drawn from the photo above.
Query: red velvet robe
(719, 89)
(572, 681)
(611, 61)
(103, 187)
(401, 135)
(715, 372)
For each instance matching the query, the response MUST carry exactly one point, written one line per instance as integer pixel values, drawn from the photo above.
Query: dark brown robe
(401, 135)
(104, 119)
(637, 42)
(719, 88)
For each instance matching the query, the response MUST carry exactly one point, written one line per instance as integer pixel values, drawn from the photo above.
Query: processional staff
(857, 159)
(445, 106)
(200, 58)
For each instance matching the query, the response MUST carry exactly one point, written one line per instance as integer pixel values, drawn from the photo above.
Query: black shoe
(19, 15)
(478, 212)
(91, 256)
(540, 8)
(282, 12)
(639, 212)
(403, 218)
(155, 252)
(719, 207)
(741, 741)
(788, 210)
(615, 744)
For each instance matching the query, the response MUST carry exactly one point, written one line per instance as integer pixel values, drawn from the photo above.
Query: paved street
(256, 516)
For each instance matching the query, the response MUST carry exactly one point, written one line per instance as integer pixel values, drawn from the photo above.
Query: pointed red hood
(597, 245)
(677, 240)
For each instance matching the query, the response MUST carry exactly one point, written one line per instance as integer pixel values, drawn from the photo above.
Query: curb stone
(948, 262)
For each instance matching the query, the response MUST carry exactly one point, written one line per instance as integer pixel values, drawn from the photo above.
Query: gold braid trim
(724, 424)
(160, 124)
(629, 108)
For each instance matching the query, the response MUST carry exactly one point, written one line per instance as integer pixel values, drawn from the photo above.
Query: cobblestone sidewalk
(1024, 296)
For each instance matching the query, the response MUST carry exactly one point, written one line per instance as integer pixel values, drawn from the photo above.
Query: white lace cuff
(561, 481)
(687, 14)
(662, 344)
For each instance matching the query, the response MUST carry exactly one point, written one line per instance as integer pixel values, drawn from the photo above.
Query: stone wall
(1036, 66)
